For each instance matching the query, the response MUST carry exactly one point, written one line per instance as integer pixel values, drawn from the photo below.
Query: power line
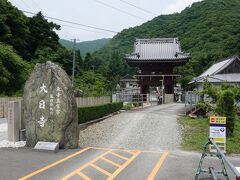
(26, 5)
(35, 3)
(82, 29)
(16, 4)
(71, 22)
(125, 12)
(147, 11)
(68, 25)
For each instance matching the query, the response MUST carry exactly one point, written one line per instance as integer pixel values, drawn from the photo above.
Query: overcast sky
(97, 13)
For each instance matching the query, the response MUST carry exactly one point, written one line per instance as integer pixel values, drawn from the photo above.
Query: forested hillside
(86, 46)
(25, 41)
(209, 30)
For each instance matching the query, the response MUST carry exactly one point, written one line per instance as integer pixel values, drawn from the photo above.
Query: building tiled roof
(233, 78)
(217, 67)
(157, 49)
(212, 73)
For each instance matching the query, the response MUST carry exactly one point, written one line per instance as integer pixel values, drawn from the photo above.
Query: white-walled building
(224, 71)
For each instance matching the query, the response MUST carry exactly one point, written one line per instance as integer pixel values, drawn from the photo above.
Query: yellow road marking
(158, 166)
(123, 166)
(53, 164)
(101, 170)
(122, 149)
(84, 166)
(129, 152)
(111, 162)
(83, 176)
(122, 157)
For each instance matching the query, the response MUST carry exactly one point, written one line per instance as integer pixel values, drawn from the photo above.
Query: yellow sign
(217, 120)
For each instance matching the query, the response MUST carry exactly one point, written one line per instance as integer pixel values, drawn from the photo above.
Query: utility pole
(74, 59)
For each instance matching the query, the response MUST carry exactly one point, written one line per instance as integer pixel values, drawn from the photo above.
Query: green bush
(223, 102)
(226, 107)
(137, 104)
(128, 106)
(94, 112)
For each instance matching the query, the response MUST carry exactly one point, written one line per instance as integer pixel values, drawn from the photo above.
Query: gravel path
(153, 128)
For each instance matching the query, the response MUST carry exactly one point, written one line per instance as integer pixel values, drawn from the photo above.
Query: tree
(87, 62)
(79, 63)
(14, 28)
(92, 84)
(14, 71)
(62, 56)
(116, 65)
(116, 69)
(42, 33)
(223, 102)
(226, 107)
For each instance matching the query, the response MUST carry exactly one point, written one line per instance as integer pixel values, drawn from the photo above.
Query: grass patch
(233, 143)
(195, 134)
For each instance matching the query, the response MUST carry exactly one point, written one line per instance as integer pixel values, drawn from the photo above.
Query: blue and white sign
(217, 131)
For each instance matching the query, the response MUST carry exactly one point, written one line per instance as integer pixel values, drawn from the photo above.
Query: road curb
(86, 124)
(140, 107)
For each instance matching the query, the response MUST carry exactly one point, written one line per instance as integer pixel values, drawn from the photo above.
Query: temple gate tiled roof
(157, 49)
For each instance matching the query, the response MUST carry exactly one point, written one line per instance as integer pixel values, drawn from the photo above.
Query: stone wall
(4, 105)
(81, 102)
(92, 101)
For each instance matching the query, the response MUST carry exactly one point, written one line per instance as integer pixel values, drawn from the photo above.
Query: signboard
(217, 131)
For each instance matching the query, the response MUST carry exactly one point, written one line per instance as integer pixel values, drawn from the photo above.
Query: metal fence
(132, 98)
(191, 100)
(151, 98)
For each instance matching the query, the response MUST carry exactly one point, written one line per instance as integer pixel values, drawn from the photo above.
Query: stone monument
(1, 109)
(50, 109)
(13, 120)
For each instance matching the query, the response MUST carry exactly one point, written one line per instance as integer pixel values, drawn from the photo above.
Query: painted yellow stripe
(84, 166)
(101, 170)
(123, 166)
(53, 164)
(158, 166)
(122, 157)
(111, 162)
(85, 177)
(129, 152)
(122, 149)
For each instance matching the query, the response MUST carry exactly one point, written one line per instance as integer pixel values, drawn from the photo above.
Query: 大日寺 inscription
(50, 109)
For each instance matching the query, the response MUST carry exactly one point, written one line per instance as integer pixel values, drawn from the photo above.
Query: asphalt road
(134, 145)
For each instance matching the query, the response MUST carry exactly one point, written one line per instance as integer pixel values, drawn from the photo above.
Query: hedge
(94, 112)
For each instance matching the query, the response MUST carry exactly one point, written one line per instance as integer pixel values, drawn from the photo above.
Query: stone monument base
(47, 146)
